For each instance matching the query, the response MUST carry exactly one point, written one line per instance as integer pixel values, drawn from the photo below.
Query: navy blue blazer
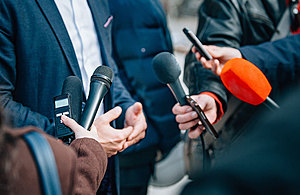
(36, 55)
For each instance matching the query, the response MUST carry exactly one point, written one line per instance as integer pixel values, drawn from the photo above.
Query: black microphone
(168, 71)
(73, 86)
(101, 81)
(69, 103)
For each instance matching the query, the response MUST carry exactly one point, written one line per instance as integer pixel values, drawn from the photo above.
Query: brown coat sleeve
(81, 166)
(90, 165)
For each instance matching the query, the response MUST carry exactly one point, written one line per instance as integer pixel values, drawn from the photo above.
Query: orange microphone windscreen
(245, 81)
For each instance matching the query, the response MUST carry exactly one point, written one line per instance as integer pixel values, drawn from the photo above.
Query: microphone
(167, 71)
(247, 82)
(73, 86)
(101, 81)
(69, 103)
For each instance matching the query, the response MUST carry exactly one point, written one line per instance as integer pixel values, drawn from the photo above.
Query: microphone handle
(178, 92)
(271, 104)
(97, 92)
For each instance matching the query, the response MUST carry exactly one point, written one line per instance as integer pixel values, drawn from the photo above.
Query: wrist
(220, 111)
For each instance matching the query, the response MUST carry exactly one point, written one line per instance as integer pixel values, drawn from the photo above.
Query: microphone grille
(245, 81)
(166, 67)
(103, 73)
(72, 85)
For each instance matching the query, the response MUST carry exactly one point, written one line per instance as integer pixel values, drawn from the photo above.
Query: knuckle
(119, 147)
(120, 137)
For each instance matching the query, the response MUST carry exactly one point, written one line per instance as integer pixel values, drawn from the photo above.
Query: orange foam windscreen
(245, 81)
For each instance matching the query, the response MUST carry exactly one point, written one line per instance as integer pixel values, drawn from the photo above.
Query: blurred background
(180, 14)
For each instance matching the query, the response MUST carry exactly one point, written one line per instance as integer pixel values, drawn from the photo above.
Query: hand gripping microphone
(68, 103)
(245, 81)
(167, 71)
(101, 81)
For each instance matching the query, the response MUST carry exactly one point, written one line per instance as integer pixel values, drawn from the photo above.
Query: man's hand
(112, 140)
(135, 118)
(220, 56)
(187, 118)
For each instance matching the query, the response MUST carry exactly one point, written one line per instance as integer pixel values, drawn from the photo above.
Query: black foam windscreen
(103, 73)
(166, 67)
(73, 86)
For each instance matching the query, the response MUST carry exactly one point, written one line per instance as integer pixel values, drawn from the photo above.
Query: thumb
(219, 68)
(72, 124)
(137, 108)
(112, 114)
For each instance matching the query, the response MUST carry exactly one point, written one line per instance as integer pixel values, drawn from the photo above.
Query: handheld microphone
(69, 103)
(167, 71)
(73, 86)
(101, 81)
(245, 81)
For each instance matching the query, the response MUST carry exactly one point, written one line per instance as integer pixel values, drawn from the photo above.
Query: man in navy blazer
(36, 55)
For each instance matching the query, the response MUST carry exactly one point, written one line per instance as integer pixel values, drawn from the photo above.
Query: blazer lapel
(102, 21)
(52, 15)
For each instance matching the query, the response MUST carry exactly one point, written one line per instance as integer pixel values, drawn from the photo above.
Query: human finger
(177, 109)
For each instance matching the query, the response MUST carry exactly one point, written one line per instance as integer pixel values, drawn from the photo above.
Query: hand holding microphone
(112, 140)
(242, 78)
(167, 71)
(188, 117)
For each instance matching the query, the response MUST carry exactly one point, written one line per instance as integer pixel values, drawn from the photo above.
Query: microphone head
(72, 86)
(245, 81)
(166, 67)
(103, 73)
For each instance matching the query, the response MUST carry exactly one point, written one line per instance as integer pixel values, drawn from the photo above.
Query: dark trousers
(135, 171)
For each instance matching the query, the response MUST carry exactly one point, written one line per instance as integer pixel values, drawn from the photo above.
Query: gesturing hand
(111, 139)
(135, 118)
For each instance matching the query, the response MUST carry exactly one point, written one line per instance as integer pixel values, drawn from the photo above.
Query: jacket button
(143, 50)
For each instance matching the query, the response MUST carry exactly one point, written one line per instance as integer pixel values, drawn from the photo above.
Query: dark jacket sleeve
(91, 164)
(22, 115)
(278, 60)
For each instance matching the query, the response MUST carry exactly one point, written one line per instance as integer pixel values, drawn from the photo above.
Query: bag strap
(45, 162)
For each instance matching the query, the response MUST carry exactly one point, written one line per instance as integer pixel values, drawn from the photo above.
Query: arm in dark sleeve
(278, 60)
(91, 165)
(18, 113)
(219, 23)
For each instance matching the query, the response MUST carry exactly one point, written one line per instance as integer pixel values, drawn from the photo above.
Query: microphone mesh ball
(166, 68)
(245, 81)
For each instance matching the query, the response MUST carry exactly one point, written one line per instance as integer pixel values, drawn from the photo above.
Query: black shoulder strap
(45, 162)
